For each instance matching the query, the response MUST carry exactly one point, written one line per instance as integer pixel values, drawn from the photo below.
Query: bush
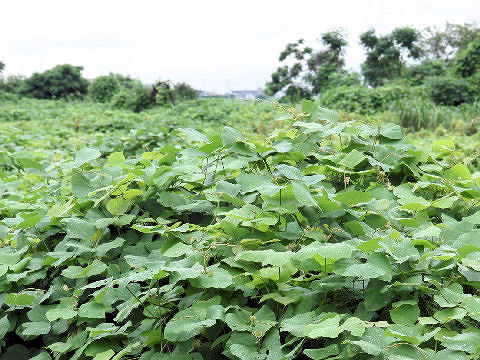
(418, 113)
(63, 81)
(362, 100)
(353, 99)
(6, 96)
(135, 98)
(417, 74)
(183, 91)
(12, 84)
(103, 88)
(449, 91)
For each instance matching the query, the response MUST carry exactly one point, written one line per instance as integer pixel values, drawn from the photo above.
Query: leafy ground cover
(149, 239)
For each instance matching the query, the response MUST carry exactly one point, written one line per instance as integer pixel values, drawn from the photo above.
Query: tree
(103, 88)
(60, 82)
(183, 91)
(2, 66)
(12, 83)
(312, 71)
(135, 97)
(444, 44)
(387, 55)
(467, 61)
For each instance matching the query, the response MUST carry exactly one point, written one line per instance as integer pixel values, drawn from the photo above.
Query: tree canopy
(386, 55)
(59, 82)
(309, 71)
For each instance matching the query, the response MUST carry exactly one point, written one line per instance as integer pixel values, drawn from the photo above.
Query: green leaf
(86, 155)
(261, 183)
(318, 354)
(102, 249)
(9, 259)
(405, 314)
(105, 355)
(194, 135)
(116, 158)
(327, 114)
(35, 328)
(354, 325)
(352, 159)
(75, 272)
(303, 195)
(467, 341)
(60, 209)
(80, 229)
(443, 146)
(19, 299)
(60, 312)
(215, 277)
(329, 328)
(92, 310)
(392, 131)
(4, 326)
(118, 206)
(182, 329)
(266, 257)
(60, 347)
(458, 172)
(290, 172)
(353, 197)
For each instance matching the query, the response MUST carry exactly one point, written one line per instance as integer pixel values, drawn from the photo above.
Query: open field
(222, 229)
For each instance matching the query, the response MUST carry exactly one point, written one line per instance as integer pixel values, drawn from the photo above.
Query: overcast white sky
(214, 45)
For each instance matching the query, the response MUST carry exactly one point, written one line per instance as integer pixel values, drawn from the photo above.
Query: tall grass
(419, 113)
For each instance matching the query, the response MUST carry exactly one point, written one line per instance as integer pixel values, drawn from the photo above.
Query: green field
(226, 229)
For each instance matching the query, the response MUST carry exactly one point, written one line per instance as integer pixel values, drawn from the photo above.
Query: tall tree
(387, 54)
(2, 66)
(310, 72)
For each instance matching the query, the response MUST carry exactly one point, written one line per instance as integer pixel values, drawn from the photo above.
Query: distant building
(248, 94)
(213, 94)
(236, 94)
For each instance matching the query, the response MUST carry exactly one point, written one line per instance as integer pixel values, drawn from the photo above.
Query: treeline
(441, 64)
(66, 82)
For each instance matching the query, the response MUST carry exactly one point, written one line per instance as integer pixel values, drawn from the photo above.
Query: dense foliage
(62, 81)
(449, 90)
(139, 237)
(184, 91)
(386, 55)
(103, 88)
(442, 61)
(468, 61)
(313, 71)
(135, 97)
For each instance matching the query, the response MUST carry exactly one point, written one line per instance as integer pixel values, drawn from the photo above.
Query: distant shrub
(135, 98)
(449, 91)
(183, 91)
(385, 96)
(353, 99)
(418, 74)
(63, 81)
(474, 82)
(12, 84)
(6, 96)
(103, 88)
(363, 100)
(420, 113)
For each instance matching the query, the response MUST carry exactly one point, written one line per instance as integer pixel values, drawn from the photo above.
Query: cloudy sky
(212, 44)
